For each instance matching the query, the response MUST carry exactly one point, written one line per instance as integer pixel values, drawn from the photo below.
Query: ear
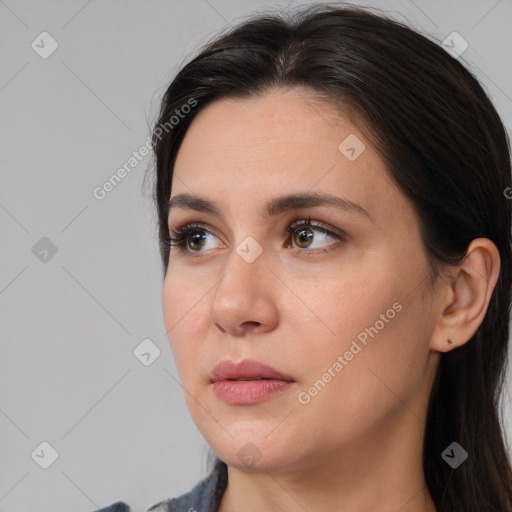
(465, 295)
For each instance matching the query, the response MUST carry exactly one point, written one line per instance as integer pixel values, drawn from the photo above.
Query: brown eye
(303, 237)
(304, 234)
(196, 240)
(190, 239)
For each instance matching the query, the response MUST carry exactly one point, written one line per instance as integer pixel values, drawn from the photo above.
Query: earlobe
(466, 296)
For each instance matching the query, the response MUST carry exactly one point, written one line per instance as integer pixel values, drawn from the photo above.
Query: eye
(302, 233)
(190, 235)
(192, 238)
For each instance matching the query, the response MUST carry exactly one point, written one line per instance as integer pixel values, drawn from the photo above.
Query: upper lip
(247, 368)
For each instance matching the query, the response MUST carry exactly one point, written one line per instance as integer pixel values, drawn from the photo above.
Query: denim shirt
(204, 497)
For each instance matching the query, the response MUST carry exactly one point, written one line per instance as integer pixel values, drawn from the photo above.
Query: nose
(244, 299)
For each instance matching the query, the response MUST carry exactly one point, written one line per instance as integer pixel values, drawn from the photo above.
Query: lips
(246, 370)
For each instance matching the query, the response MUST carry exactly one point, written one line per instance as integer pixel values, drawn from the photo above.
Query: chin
(255, 451)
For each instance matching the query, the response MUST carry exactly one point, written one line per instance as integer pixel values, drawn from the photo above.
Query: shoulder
(204, 497)
(118, 506)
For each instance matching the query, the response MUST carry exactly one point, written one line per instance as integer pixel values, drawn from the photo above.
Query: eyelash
(178, 237)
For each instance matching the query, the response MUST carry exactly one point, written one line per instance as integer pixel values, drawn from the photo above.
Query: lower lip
(240, 392)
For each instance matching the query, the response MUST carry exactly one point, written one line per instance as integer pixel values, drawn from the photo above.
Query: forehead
(280, 123)
(283, 141)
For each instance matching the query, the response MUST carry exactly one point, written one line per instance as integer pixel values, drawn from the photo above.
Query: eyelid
(191, 226)
(320, 226)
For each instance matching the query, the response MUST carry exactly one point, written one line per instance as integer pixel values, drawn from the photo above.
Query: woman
(334, 216)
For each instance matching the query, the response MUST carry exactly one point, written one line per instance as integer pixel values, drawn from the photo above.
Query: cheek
(369, 318)
(184, 317)
(381, 334)
(183, 291)
(355, 397)
(340, 304)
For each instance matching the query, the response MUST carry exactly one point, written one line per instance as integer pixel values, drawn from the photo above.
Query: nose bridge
(245, 268)
(242, 295)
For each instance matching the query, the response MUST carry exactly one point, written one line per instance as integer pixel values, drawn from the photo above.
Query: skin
(357, 445)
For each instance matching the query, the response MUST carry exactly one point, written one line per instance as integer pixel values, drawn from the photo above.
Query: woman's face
(341, 306)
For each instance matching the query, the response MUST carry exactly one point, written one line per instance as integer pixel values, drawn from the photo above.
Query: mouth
(246, 370)
(249, 378)
(245, 392)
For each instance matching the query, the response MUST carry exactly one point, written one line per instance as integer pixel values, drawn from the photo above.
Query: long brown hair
(446, 149)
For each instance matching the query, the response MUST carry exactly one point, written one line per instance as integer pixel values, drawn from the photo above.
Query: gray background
(70, 324)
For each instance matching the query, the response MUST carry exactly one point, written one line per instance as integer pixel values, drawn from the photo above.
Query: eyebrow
(272, 207)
